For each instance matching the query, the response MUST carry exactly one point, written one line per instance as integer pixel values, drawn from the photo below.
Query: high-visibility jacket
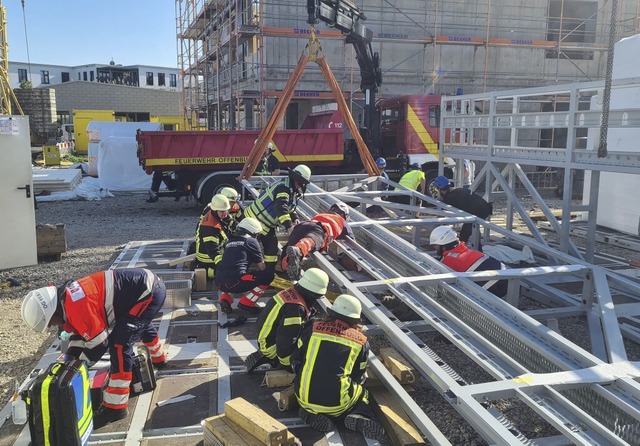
(93, 303)
(411, 180)
(463, 259)
(280, 324)
(333, 224)
(330, 365)
(210, 238)
(275, 205)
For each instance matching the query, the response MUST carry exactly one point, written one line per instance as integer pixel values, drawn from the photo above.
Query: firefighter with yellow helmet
(211, 234)
(276, 206)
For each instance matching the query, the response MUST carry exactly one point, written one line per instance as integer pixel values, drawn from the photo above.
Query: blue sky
(81, 32)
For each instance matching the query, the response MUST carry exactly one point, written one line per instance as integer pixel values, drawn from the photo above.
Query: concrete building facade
(236, 55)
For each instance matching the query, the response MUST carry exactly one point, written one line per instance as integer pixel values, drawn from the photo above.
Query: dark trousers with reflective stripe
(131, 328)
(270, 247)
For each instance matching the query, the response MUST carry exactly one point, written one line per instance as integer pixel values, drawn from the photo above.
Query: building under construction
(235, 56)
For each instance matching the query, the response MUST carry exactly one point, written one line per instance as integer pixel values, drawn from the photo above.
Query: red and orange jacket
(334, 227)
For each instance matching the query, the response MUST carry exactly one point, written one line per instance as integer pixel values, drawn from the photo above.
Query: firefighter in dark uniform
(330, 364)
(281, 321)
(275, 206)
(211, 234)
(270, 165)
(465, 200)
(459, 257)
(108, 310)
(315, 235)
(232, 276)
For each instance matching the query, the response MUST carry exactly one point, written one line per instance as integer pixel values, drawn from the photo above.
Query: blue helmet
(442, 182)
(414, 166)
(381, 163)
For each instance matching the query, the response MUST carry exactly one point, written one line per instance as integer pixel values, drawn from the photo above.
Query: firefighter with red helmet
(315, 235)
(108, 310)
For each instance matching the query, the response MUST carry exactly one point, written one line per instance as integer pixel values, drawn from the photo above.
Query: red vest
(462, 259)
(333, 225)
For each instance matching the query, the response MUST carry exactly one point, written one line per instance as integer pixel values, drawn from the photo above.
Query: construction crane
(6, 93)
(349, 20)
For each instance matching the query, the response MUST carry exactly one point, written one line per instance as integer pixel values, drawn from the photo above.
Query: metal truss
(505, 127)
(505, 342)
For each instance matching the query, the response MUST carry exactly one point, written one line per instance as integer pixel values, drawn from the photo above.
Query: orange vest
(463, 259)
(333, 225)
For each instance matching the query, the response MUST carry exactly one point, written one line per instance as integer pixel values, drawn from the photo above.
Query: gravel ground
(95, 232)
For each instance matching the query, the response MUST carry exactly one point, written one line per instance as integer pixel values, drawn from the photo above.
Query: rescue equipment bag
(60, 410)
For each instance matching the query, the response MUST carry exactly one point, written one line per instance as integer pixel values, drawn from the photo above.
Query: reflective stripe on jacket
(333, 358)
(280, 324)
(93, 303)
(210, 238)
(274, 205)
(462, 259)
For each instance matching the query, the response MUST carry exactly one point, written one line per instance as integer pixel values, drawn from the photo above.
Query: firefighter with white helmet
(234, 197)
(108, 310)
(276, 206)
(459, 257)
(232, 276)
(315, 235)
(330, 364)
(211, 234)
(270, 165)
(284, 316)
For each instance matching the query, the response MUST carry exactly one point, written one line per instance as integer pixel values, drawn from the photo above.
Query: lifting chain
(606, 97)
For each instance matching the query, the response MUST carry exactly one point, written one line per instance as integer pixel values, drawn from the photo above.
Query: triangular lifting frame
(315, 55)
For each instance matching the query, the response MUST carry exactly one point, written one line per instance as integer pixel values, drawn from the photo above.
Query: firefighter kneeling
(282, 320)
(106, 310)
(330, 365)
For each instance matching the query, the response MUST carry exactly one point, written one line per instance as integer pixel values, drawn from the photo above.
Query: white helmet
(38, 307)
(347, 306)
(303, 171)
(219, 203)
(340, 209)
(314, 280)
(443, 235)
(250, 225)
(230, 193)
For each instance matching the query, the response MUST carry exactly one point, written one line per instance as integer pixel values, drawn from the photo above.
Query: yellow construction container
(51, 155)
(170, 122)
(81, 119)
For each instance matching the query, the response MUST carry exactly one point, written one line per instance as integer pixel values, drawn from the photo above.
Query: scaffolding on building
(235, 55)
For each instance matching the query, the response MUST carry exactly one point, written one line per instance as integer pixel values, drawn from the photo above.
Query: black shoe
(225, 307)
(256, 309)
(368, 427)
(152, 199)
(256, 359)
(294, 257)
(317, 421)
(104, 416)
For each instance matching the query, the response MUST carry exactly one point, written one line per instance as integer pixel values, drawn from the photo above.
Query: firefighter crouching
(211, 234)
(241, 252)
(282, 320)
(276, 206)
(315, 235)
(108, 310)
(330, 364)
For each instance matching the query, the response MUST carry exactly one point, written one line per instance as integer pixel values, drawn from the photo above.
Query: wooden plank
(219, 430)
(287, 399)
(201, 279)
(256, 421)
(397, 365)
(539, 215)
(278, 378)
(395, 420)
(50, 240)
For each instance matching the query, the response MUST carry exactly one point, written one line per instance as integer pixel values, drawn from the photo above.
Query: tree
(26, 85)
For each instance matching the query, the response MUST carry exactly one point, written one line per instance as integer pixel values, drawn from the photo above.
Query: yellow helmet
(314, 280)
(219, 203)
(230, 193)
(347, 306)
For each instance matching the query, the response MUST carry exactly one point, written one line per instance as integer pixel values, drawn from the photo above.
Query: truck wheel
(432, 191)
(209, 186)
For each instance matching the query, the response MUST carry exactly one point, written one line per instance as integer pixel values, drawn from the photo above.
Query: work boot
(317, 421)
(253, 309)
(104, 416)
(294, 257)
(368, 427)
(225, 303)
(153, 197)
(256, 359)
